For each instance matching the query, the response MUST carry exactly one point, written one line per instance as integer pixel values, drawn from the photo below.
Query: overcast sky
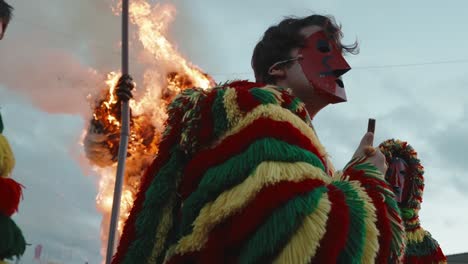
(410, 76)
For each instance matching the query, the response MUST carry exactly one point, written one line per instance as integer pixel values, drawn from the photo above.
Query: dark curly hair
(279, 40)
(6, 12)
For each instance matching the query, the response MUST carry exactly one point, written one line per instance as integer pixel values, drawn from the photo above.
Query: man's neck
(313, 102)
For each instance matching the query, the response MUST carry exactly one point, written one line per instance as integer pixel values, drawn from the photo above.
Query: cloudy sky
(410, 76)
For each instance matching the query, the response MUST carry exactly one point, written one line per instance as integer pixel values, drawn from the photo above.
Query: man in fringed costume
(5, 17)
(12, 243)
(241, 176)
(405, 175)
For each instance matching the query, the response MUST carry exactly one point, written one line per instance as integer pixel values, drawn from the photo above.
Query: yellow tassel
(371, 245)
(233, 111)
(273, 112)
(162, 231)
(304, 244)
(233, 200)
(7, 159)
(416, 236)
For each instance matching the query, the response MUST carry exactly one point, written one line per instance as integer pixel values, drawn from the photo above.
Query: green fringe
(271, 237)
(264, 96)
(407, 213)
(357, 233)
(370, 170)
(397, 228)
(12, 242)
(295, 104)
(219, 114)
(426, 247)
(157, 196)
(222, 177)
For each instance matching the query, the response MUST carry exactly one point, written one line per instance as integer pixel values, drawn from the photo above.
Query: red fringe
(235, 144)
(11, 193)
(228, 237)
(207, 121)
(244, 85)
(383, 222)
(129, 230)
(436, 257)
(246, 100)
(338, 224)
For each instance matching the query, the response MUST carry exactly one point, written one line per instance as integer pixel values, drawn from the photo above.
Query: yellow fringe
(416, 235)
(162, 231)
(233, 112)
(303, 245)
(273, 112)
(371, 243)
(233, 200)
(414, 221)
(331, 168)
(7, 159)
(169, 253)
(274, 90)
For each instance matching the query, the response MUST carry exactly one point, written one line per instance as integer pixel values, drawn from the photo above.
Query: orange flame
(169, 74)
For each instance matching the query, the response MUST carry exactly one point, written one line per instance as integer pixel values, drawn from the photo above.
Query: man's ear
(277, 72)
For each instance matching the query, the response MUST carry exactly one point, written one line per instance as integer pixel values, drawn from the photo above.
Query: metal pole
(124, 133)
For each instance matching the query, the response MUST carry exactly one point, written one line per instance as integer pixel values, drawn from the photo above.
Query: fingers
(365, 145)
(367, 140)
(369, 151)
(125, 85)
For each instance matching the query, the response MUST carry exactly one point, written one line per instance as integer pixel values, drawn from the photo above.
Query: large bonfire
(168, 74)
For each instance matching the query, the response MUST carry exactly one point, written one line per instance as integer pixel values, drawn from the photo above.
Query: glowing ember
(168, 74)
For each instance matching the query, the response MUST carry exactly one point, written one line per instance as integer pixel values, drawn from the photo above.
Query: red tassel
(337, 228)
(246, 100)
(225, 240)
(129, 230)
(244, 85)
(229, 236)
(235, 144)
(11, 195)
(383, 222)
(207, 122)
(436, 257)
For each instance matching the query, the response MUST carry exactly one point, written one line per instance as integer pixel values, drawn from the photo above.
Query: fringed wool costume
(12, 243)
(421, 248)
(242, 178)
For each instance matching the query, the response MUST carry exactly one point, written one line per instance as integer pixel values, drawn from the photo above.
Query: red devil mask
(397, 177)
(323, 64)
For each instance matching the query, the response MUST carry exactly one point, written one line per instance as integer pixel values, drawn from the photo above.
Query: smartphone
(371, 125)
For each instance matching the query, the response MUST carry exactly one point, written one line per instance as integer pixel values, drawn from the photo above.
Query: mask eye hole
(323, 46)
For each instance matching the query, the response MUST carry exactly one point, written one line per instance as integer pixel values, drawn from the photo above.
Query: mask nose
(340, 72)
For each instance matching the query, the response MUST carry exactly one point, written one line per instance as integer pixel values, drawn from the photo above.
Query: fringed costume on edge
(12, 242)
(242, 178)
(421, 248)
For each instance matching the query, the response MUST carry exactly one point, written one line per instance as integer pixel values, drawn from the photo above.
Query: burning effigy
(169, 74)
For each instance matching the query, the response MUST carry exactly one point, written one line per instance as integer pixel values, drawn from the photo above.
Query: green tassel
(149, 218)
(407, 213)
(295, 103)
(280, 226)
(264, 96)
(12, 242)
(357, 233)
(219, 114)
(222, 177)
(424, 248)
